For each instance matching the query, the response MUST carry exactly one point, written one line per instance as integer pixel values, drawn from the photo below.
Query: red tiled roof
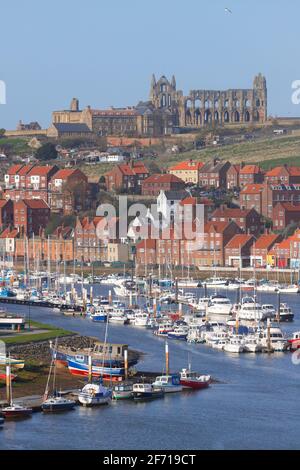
(8, 233)
(266, 241)
(64, 174)
(250, 170)
(188, 165)
(231, 213)
(13, 170)
(35, 203)
(3, 202)
(41, 170)
(25, 170)
(239, 241)
(149, 244)
(292, 171)
(289, 207)
(218, 227)
(276, 171)
(140, 168)
(192, 201)
(253, 189)
(163, 178)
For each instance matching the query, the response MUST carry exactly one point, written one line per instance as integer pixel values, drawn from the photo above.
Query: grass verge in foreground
(51, 333)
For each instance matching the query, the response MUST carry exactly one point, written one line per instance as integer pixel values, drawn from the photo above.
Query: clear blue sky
(104, 52)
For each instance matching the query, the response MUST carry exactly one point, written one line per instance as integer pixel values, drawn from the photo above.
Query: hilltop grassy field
(267, 153)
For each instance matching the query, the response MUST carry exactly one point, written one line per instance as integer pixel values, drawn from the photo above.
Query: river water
(256, 405)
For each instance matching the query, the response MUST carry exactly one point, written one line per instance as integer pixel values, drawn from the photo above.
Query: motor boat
(250, 310)
(292, 289)
(168, 383)
(202, 304)
(141, 319)
(195, 335)
(252, 344)
(122, 391)
(273, 337)
(188, 283)
(179, 333)
(215, 282)
(95, 395)
(192, 380)
(145, 391)
(14, 411)
(220, 344)
(235, 345)
(163, 329)
(219, 305)
(99, 315)
(216, 336)
(295, 341)
(269, 310)
(285, 313)
(57, 404)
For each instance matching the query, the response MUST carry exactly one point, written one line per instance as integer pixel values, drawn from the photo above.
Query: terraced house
(187, 171)
(127, 178)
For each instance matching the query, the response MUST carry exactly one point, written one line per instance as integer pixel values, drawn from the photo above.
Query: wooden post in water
(237, 323)
(91, 295)
(126, 363)
(110, 297)
(8, 379)
(269, 335)
(180, 309)
(90, 369)
(167, 358)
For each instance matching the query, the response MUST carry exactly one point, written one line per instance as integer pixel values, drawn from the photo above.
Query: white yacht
(269, 310)
(220, 344)
(275, 339)
(215, 282)
(219, 305)
(252, 344)
(141, 319)
(216, 336)
(250, 310)
(235, 345)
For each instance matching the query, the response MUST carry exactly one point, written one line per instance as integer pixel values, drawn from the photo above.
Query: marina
(244, 377)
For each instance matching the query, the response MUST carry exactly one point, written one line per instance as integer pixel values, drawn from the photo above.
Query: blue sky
(104, 52)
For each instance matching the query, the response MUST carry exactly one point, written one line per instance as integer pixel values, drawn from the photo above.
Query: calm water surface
(256, 405)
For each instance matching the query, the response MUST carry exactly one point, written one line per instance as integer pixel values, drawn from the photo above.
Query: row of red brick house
(27, 216)
(134, 177)
(222, 244)
(90, 241)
